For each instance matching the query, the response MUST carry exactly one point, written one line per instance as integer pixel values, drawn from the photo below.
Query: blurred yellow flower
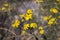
(54, 10)
(28, 17)
(29, 11)
(41, 32)
(26, 26)
(40, 28)
(16, 24)
(52, 19)
(33, 25)
(50, 22)
(6, 4)
(41, 1)
(23, 32)
(45, 18)
(3, 8)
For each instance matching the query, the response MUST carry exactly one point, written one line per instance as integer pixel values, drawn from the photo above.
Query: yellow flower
(3, 9)
(16, 24)
(52, 19)
(41, 1)
(41, 32)
(50, 22)
(23, 32)
(29, 11)
(45, 18)
(40, 28)
(28, 17)
(6, 4)
(55, 10)
(33, 25)
(26, 26)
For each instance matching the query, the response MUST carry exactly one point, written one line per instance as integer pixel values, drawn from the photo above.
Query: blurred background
(29, 19)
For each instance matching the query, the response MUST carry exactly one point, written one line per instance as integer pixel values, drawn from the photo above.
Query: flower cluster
(27, 16)
(51, 20)
(5, 7)
(31, 25)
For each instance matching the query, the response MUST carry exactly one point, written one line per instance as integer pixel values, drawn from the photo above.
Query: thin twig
(8, 31)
